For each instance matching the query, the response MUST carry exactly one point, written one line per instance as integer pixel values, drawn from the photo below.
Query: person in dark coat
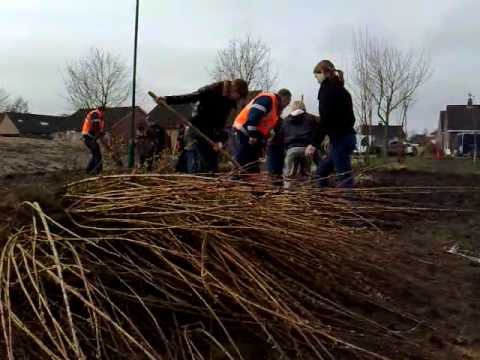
(276, 154)
(337, 120)
(213, 105)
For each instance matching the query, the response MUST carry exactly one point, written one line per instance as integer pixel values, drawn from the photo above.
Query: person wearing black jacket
(337, 120)
(213, 105)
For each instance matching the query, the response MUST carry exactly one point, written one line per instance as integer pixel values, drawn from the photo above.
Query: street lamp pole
(131, 142)
(474, 119)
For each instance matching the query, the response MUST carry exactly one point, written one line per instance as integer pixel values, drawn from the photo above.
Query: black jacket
(211, 111)
(335, 107)
(300, 131)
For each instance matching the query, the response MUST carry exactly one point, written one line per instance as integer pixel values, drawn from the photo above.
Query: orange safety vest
(268, 121)
(93, 125)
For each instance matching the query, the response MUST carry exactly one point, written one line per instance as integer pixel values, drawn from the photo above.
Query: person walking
(213, 105)
(93, 131)
(299, 135)
(337, 120)
(254, 126)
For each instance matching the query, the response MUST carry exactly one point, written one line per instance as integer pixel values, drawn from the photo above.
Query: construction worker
(93, 131)
(254, 126)
(213, 105)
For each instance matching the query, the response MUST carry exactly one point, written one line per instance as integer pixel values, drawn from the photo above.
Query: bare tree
(97, 79)
(361, 84)
(248, 59)
(395, 76)
(4, 100)
(19, 105)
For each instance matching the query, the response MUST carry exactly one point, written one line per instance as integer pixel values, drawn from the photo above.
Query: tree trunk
(386, 141)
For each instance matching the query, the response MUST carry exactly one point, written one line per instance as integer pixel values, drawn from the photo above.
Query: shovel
(186, 122)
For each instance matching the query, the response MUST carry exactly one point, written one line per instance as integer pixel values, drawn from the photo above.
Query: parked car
(411, 149)
(396, 147)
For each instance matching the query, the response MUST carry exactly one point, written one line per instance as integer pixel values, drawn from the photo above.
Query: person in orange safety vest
(92, 131)
(254, 126)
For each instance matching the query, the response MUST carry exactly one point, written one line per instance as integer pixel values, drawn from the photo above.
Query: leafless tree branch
(4, 100)
(248, 59)
(389, 75)
(97, 79)
(19, 105)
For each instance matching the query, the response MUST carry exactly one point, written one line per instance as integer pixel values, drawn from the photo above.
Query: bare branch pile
(178, 267)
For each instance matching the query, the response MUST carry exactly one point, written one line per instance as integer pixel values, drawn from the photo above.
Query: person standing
(276, 154)
(254, 126)
(337, 120)
(144, 146)
(92, 131)
(213, 105)
(300, 135)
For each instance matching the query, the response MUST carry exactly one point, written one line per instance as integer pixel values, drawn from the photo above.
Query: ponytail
(339, 75)
(327, 67)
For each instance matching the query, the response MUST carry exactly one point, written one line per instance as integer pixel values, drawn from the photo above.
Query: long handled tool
(186, 122)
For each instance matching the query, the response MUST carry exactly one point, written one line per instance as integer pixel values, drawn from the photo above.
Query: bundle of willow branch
(178, 267)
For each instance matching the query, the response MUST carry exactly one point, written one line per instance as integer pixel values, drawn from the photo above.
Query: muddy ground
(449, 303)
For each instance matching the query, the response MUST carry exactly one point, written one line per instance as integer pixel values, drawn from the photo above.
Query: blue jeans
(199, 158)
(247, 155)
(339, 160)
(95, 165)
(275, 159)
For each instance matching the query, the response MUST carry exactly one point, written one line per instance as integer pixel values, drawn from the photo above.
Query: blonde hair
(327, 67)
(299, 105)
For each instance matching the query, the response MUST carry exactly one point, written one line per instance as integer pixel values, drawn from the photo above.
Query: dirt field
(30, 156)
(449, 303)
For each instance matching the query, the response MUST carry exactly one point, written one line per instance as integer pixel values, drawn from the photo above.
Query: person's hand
(160, 99)
(218, 147)
(252, 141)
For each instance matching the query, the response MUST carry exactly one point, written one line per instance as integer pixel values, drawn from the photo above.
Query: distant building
(454, 123)
(28, 125)
(376, 134)
(117, 123)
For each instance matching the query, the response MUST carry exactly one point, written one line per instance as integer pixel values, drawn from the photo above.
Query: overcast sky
(179, 40)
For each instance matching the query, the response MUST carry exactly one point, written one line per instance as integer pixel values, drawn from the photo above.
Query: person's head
(285, 97)
(326, 70)
(102, 108)
(238, 89)
(298, 105)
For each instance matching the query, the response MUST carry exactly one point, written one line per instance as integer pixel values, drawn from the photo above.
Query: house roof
(35, 124)
(75, 121)
(167, 119)
(378, 131)
(461, 117)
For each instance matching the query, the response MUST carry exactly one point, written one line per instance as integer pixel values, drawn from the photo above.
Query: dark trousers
(247, 155)
(275, 159)
(198, 158)
(339, 160)
(95, 166)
